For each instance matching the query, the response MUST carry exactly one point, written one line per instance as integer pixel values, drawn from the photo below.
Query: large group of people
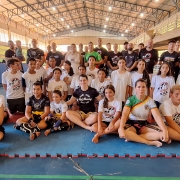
(103, 91)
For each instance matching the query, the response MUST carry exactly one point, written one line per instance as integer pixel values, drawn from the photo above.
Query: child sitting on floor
(57, 120)
(37, 109)
(109, 110)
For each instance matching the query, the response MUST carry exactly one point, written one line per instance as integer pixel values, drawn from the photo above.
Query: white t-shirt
(91, 73)
(134, 77)
(14, 84)
(74, 59)
(42, 72)
(161, 87)
(64, 75)
(167, 108)
(109, 113)
(58, 108)
(75, 81)
(57, 85)
(120, 83)
(100, 86)
(30, 79)
(2, 102)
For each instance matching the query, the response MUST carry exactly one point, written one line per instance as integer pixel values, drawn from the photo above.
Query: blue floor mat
(77, 142)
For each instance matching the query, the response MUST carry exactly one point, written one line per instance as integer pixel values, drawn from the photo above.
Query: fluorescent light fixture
(110, 8)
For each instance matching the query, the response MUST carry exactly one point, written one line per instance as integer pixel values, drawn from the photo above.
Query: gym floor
(159, 168)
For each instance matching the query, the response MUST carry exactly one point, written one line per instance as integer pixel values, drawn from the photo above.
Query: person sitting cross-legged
(85, 96)
(57, 120)
(134, 125)
(37, 108)
(109, 110)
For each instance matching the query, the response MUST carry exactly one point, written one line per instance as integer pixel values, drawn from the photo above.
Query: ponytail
(71, 72)
(146, 78)
(105, 104)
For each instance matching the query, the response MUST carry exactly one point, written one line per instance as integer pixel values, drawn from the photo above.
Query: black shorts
(2, 129)
(139, 125)
(15, 105)
(106, 123)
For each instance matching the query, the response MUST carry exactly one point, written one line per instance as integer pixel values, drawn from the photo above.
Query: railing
(165, 26)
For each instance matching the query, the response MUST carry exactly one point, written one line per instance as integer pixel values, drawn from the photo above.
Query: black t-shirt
(9, 53)
(102, 51)
(58, 56)
(86, 99)
(150, 57)
(114, 58)
(130, 59)
(171, 59)
(124, 52)
(35, 53)
(38, 104)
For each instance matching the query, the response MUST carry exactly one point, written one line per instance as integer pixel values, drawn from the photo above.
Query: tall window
(4, 35)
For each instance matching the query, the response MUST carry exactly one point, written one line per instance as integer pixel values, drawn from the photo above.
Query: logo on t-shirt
(58, 88)
(57, 110)
(101, 91)
(147, 57)
(110, 112)
(169, 59)
(56, 56)
(37, 106)
(15, 84)
(85, 99)
(176, 118)
(115, 59)
(128, 101)
(163, 88)
(99, 51)
(33, 53)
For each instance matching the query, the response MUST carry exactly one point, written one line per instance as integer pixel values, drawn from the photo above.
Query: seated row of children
(120, 79)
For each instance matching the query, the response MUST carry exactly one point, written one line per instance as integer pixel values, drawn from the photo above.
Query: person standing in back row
(131, 58)
(75, 58)
(10, 53)
(57, 54)
(104, 54)
(35, 52)
(150, 55)
(172, 57)
(125, 49)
